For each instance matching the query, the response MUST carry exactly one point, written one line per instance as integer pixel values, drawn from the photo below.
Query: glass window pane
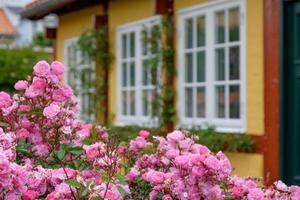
(132, 74)
(200, 102)
(220, 101)
(124, 102)
(234, 24)
(124, 74)
(145, 103)
(220, 64)
(201, 66)
(144, 41)
(132, 45)
(201, 31)
(220, 27)
(124, 46)
(189, 67)
(234, 101)
(132, 102)
(189, 33)
(145, 78)
(189, 102)
(234, 63)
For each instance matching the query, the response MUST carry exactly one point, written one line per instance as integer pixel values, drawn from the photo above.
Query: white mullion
(194, 67)
(227, 60)
(210, 66)
(138, 72)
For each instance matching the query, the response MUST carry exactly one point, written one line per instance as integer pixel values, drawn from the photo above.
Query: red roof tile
(6, 28)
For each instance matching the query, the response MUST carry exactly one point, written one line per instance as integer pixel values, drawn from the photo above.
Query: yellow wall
(247, 164)
(72, 25)
(123, 12)
(126, 11)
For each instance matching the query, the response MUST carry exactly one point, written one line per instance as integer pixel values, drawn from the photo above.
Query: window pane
(132, 45)
(189, 67)
(234, 101)
(124, 46)
(234, 22)
(220, 64)
(220, 101)
(124, 102)
(200, 102)
(220, 27)
(145, 78)
(144, 41)
(124, 74)
(132, 102)
(132, 74)
(189, 102)
(201, 66)
(145, 103)
(201, 31)
(234, 63)
(189, 33)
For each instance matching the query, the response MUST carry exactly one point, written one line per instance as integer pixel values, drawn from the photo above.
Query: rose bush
(46, 153)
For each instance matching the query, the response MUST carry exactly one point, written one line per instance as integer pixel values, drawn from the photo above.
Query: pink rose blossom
(145, 134)
(51, 111)
(42, 68)
(62, 94)
(21, 85)
(29, 195)
(57, 68)
(5, 100)
(22, 133)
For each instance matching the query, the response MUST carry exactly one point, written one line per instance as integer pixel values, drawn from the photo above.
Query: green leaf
(96, 198)
(122, 191)
(83, 192)
(73, 183)
(4, 124)
(76, 150)
(88, 141)
(121, 179)
(61, 153)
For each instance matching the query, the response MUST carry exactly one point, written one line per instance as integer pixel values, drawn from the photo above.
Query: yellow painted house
(224, 51)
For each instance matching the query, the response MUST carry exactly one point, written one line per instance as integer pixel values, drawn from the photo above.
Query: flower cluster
(46, 153)
(182, 169)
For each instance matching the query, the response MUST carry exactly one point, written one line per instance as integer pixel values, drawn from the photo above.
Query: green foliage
(73, 183)
(93, 42)
(209, 137)
(40, 40)
(223, 141)
(16, 64)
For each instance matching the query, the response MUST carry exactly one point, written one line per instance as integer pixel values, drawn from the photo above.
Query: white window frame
(138, 118)
(67, 43)
(209, 9)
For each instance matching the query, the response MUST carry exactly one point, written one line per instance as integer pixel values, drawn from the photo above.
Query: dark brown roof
(37, 9)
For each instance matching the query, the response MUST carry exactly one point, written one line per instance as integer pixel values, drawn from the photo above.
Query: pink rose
(51, 111)
(172, 153)
(133, 173)
(182, 160)
(5, 100)
(22, 133)
(24, 108)
(39, 83)
(167, 197)
(42, 68)
(175, 136)
(157, 177)
(21, 85)
(145, 134)
(29, 195)
(57, 68)
(62, 94)
(92, 151)
(255, 194)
